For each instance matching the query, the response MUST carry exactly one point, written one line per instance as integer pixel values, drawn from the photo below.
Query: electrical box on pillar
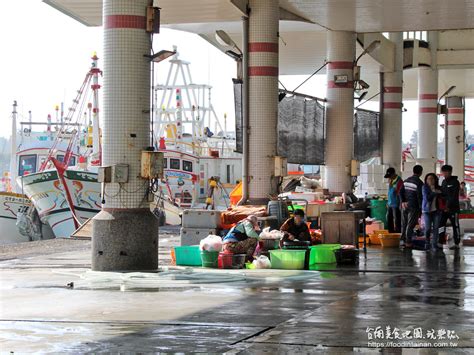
(281, 166)
(104, 174)
(153, 19)
(116, 173)
(152, 165)
(120, 173)
(355, 168)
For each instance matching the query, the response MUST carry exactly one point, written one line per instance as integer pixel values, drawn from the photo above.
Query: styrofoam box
(378, 169)
(196, 218)
(192, 236)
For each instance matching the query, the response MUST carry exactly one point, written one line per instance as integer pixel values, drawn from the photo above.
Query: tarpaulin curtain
(366, 134)
(301, 123)
(239, 118)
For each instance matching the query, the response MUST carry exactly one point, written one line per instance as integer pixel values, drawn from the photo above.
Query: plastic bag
(265, 232)
(274, 234)
(211, 243)
(310, 183)
(262, 262)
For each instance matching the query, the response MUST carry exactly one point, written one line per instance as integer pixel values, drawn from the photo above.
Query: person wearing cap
(412, 200)
(395, 192)
(243, 237)
(295, 228)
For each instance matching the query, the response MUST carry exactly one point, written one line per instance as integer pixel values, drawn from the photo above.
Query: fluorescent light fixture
(224, 40)
(161, 55)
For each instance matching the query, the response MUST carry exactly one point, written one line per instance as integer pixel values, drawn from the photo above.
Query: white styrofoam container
(198, 218)
(192, 236)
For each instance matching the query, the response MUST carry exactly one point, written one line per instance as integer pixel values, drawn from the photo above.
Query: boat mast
(96, 151)
(13, 167)
(179, 119)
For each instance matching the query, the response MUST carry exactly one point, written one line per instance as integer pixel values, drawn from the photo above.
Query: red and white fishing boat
(65, 191)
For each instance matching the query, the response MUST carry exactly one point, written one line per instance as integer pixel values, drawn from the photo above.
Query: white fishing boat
(10, 205)
(28, 147)
(200, 167)
(65, 191)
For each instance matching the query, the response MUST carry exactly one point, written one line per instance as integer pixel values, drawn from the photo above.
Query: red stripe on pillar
(455, 123)
(263, 71)
(340, 65)
(125, 21)
(333, 85)
(428, 110)
(427, 97)
(263, 47)
(455, 110)
(392, 89)
(397, 105)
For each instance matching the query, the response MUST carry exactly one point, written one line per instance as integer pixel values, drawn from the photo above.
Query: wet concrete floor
(51, 302)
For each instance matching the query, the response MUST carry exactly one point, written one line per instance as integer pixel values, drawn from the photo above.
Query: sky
(46, 55)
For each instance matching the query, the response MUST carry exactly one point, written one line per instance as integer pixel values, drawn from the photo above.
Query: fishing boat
(65, 191)
(201, 167)
(18, 222)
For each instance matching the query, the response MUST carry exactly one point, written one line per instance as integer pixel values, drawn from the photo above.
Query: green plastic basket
(188, 255)
(287, 259)
(210, 258)
(323, 254)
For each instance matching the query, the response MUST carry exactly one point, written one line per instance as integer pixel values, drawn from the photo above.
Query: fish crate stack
(197, 224)
(371, 180)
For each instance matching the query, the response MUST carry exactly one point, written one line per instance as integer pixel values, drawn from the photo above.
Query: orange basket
(375, 237)
(390, 240)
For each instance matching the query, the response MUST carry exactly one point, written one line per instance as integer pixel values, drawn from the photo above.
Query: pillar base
(124, 240)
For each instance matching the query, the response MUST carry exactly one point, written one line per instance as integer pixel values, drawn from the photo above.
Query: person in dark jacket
(431, 211)
(450, 188)
(295, 228)
(412, 199)
(395, 191)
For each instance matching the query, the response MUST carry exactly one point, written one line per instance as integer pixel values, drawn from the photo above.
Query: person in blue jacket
(395, 192)
(431, 210)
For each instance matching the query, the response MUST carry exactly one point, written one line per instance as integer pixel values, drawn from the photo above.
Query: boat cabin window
(174, 164)
(165, 163)
(72, 160)
(187, 166)
(27, 164)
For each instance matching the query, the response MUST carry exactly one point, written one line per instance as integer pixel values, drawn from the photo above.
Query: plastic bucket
(378, 210)
(188, 255)
(323, 254)
(287, 259)
(209, 258)
(347, 256)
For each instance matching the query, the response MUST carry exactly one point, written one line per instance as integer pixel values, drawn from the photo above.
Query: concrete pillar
(427, 152)
(125, 233)
(339, 110)
(454, 130)
(263, 98)
(427, 114)
(392, 108)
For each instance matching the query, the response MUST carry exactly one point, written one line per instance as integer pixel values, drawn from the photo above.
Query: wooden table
(342, 227)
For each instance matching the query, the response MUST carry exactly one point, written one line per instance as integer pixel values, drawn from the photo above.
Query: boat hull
(52, 200)
(10, 205)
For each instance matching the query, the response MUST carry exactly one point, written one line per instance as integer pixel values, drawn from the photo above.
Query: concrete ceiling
(303, 44)
(352, 15)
